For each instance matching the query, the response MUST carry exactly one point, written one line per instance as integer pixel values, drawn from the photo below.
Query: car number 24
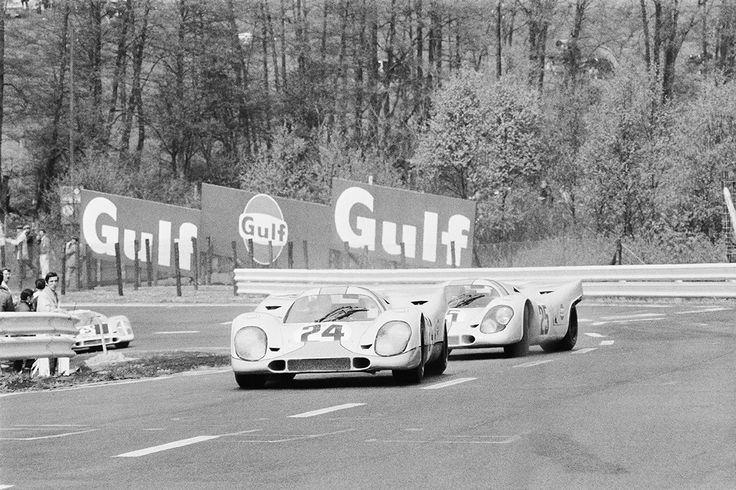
(315, 333)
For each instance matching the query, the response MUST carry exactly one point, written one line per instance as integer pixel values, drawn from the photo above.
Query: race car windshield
(477, 300)
(341, 312)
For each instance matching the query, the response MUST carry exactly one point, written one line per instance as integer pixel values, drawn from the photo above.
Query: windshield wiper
(341, 312)
(464, 299)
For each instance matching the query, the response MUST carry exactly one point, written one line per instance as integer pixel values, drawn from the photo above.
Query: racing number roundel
(263, 222)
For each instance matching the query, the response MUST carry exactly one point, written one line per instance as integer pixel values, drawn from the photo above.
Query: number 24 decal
(333, 333)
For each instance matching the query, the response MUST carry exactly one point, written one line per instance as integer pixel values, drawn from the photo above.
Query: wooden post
(195, 254)
(346, 263)
(403, 255)
(209, 261)
(250, 253)
(235, 266)
(136, 267)
(365, 257)
(177, 269)
(270, 255)
(452, 254)
(91, 268)
(290, 255)
(119, 269)
(305, 245)
(149, 263)
(98, 272)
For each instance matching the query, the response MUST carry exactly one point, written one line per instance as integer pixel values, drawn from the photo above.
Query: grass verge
(154, 365)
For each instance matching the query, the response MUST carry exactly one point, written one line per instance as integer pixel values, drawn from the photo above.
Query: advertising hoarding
(107, 219)
(382, 218)
(269, 223)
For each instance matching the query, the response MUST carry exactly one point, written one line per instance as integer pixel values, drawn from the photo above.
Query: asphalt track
(646, 400)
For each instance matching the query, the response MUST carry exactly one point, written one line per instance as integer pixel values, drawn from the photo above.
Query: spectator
(6, 297)
(48, 300)
(26, 301)
(71, 250)
(22, 253)
(44, 252)
(40, 285)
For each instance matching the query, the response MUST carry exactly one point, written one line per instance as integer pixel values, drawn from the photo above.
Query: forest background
(573, 124)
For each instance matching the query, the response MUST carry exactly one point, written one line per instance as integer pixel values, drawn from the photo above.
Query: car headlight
(392, 338)
(250, 343)
(496, 319)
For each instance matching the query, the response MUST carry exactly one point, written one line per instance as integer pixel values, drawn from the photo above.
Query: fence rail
(36, 335)
(716, 280)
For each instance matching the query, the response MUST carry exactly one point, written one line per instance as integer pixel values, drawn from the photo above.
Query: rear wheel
(250, 381)
(569, 340)
(438, 366)
(521, 348)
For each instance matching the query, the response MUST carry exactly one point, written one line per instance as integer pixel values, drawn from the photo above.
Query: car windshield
(470, 296)
(332, 307)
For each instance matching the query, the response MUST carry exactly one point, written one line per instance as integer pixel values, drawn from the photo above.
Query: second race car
(94, 327)
(339, 329)
(485, 313)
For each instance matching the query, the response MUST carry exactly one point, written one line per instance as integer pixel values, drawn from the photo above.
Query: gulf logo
(263, 222)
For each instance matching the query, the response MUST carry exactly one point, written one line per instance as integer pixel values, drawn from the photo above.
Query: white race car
(485, 313)
(93, 327)
(339, 329)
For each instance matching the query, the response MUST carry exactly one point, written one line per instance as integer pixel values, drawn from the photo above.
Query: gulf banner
(267, 224)
(383, 219)
(107, 219)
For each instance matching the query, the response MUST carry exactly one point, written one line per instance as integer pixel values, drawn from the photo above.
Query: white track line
(323, 411)
(176, 332)
(54, 436)
(593, 334)
(606, 342)
(452, 382)
(165, 447)
(636, 316)
(705, 310)
(584, 351)
(533, 363)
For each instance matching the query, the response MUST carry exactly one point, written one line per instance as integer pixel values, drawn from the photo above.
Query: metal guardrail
(36, 335)
(716, 280)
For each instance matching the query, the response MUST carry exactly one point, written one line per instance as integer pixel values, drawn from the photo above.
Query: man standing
(6, 297)
(44, 252)
(71, 250)
(48, 300)
(22, 253)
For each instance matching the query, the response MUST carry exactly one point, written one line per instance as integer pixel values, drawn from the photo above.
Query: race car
(339, 329)
(93, 327)
(485, 313)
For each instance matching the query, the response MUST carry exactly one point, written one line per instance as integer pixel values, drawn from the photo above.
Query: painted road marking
(533, 363)
(176, 332)
(323, 411)
(165, 447)
(610, 322)
(485, 440)
(290, 438)
(53, 436)
(6, 486)
(636, 316)
(606, 342)
(452, 382)
(584, 351)
(705, 310)
(593, 334)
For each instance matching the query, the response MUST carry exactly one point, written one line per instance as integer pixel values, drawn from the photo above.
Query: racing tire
(250, 381)
(412, 376)
(569, 340)
(438, 366)
(520, 348)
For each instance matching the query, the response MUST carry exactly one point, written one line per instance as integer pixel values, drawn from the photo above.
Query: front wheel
(250, 381)
(521, 348)
(438, 366)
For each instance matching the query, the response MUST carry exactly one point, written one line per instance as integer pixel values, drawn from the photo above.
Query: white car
(93, 327)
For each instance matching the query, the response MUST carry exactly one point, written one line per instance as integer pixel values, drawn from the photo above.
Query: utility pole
(71, 86)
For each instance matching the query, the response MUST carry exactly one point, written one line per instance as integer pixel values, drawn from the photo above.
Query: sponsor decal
(262, 225)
